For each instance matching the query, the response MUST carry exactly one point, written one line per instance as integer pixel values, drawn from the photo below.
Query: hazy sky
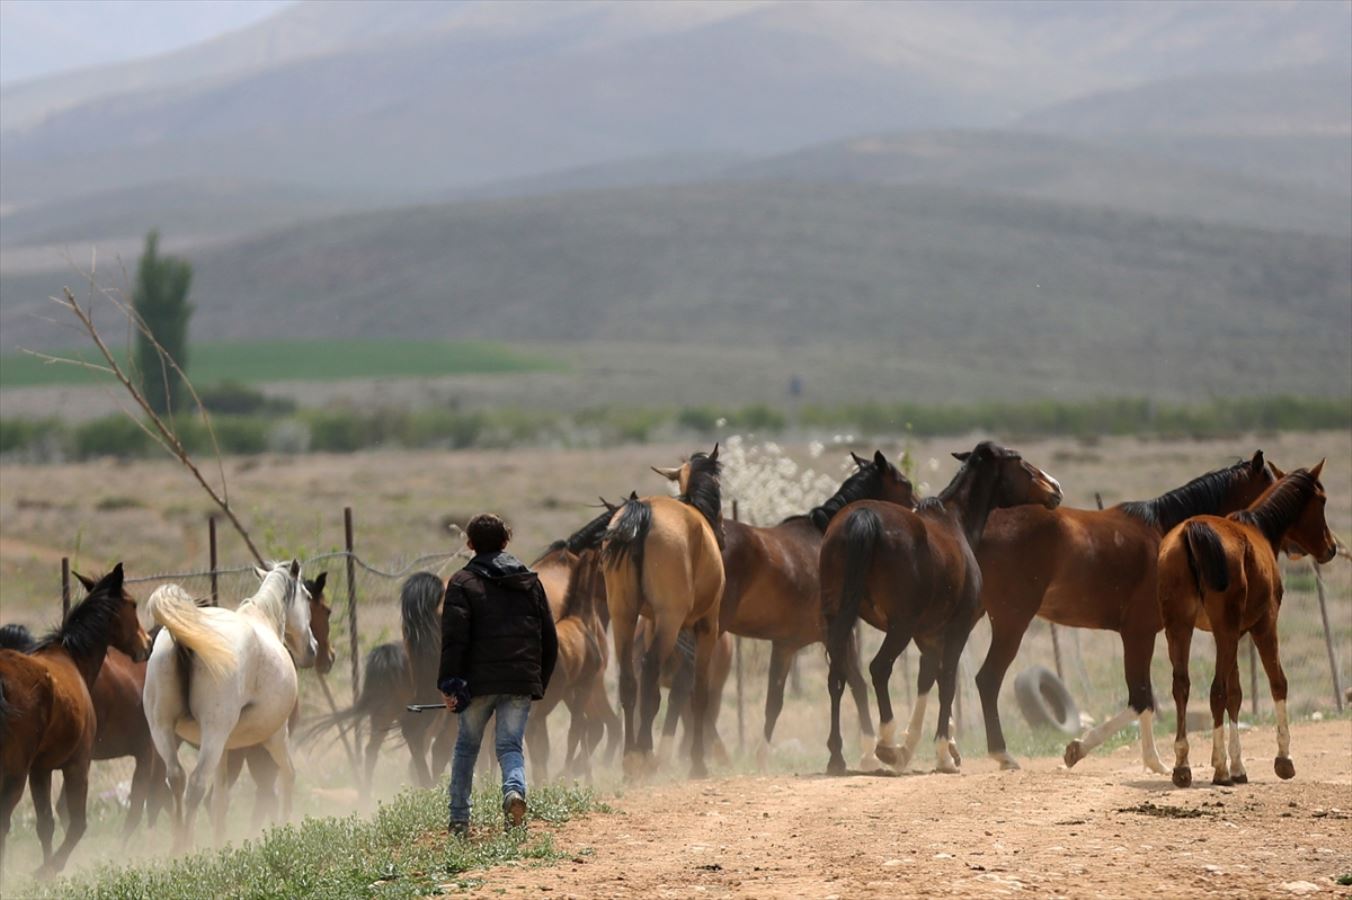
(41, 37)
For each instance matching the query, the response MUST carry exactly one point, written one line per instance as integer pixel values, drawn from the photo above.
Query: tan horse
(662, 559)
(1221, 575)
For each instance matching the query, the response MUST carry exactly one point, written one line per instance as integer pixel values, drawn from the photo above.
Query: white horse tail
(172, 607)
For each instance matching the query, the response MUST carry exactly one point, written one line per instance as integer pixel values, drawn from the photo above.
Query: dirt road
(1104, 829)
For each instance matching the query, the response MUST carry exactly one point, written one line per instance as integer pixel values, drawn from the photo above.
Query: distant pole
(1328, 637)
(351, 599)
(737, 655)
(211, 543)
(65, 587)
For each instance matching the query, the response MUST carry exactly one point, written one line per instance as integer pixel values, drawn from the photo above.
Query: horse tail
(1206, 557)
(420, 600)
(860, 533)
(172, 607)
(385, 680)
(626, 536)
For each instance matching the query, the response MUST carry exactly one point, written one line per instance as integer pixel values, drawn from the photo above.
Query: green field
(266, 361)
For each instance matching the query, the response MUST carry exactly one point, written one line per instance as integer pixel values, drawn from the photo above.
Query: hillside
(936, 276)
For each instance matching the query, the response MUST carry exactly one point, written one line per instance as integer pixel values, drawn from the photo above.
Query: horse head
(320, 613)
(126, 634)
(1018, 482)
(295, 613)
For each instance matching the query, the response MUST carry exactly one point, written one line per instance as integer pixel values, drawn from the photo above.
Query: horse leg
(215, 732)
(158, 797)
(836, 653)
(1178, 634)
(11, 792)
(924, 683)
(880, 669)
(1227, 654)
(1234, 699)
(706, 639)
(277, 749)
(1265, 638)
(859, 692)
(666, 629)
(219, 802)
(40, 787)
(75, 784)
(415, 736)
(946, 759)
(443, 743)
(1137, 649)
(379, 728)
(537, 745)
(624, 658)
(1006, 635)
(264, 774)
(140, 789)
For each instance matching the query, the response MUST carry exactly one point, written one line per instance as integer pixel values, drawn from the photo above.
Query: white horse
(222, 679)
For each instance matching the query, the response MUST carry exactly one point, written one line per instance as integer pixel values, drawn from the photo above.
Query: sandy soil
(1104, 829)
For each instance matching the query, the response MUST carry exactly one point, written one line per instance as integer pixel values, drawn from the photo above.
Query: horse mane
(16, 637)
(1275, 512)
(1204, 495)
(419, 599)
(704, 491)
(85, 630)
(863, 483)
(577, 596)
(275, 595)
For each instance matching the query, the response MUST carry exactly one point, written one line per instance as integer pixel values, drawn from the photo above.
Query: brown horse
(772, 592)
(570, 572)
(1221, 575)
(47, 717)
(913, 575)
(662, 558)
(1092, 569)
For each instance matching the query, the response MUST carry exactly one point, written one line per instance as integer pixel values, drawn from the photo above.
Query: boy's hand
(452, 702)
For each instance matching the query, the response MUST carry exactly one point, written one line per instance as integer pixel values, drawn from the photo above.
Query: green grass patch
(401, 851)
(266, 361)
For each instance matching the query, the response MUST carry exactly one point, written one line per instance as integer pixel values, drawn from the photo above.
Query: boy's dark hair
(488, 533)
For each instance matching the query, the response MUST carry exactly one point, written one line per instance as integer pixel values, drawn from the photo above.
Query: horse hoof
(1222, 782)
(1285, 769)
(887, 753)
(699, 771)
(1240, 778)
(763, 756)
(1007, 762)
(869, 763)
(946, 768)
(1074, 753)
(635, 765)
(1182, 776)
(957, 757)
(836, 766)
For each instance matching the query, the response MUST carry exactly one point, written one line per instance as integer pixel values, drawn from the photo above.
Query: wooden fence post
(211, 544)
(1056, 652)
(1328, 637)
(737, 655)
(351, 600)
(1253, 679)
(65, 587)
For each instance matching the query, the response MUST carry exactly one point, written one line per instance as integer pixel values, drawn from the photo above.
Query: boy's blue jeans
(511, 710)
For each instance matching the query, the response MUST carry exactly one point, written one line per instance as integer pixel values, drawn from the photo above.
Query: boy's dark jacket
(497, 632)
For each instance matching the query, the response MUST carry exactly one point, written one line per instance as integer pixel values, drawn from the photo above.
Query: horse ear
(319, 582)
(879, 460)
(1314, 473)
(295, 568)
(1276, 472)
(858, 460)
(89, 583)
(713, 457)
(260, 572)
(963, 456)
(668, 474)
(633, 495)
(1257, 462)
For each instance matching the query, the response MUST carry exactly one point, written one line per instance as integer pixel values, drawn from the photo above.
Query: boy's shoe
(514, 810)
(459, 829)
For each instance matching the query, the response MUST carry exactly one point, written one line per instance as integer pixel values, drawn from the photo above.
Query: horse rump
(385, 684)
(625, 538)
(1206, 557)
(173, 608)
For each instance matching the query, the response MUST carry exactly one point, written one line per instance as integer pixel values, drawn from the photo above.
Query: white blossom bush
(769, 486)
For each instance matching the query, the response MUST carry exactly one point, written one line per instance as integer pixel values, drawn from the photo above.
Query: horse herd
(671, 579)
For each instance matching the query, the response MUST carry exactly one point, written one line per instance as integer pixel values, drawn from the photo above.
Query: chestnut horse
(47, 717)
(772, 592)
(1092, 569)
(1221, 575)
(662, 559)
(913, 575)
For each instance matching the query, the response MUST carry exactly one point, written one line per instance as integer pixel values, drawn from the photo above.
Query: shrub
(115, 435)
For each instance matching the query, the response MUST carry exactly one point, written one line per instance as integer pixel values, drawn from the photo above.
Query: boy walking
(498, 649)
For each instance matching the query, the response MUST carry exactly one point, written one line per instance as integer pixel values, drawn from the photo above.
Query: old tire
(1045, 702)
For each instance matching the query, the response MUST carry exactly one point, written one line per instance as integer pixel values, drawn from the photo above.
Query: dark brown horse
(47, 716)
(772, 592)
(1092, 569)
(913, 575)
(1221, 575)
(662, 558)
(397, 674)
